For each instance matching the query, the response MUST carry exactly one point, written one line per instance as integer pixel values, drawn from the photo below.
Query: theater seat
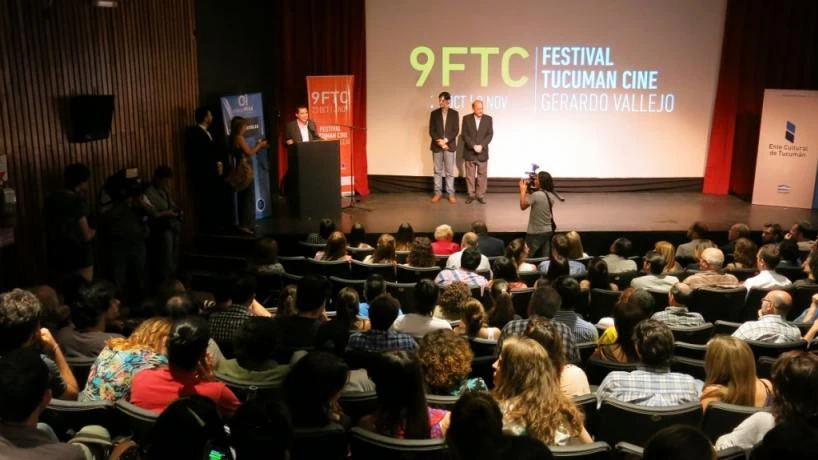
(296, 265)
(628, 451)
(361, 271)
(403, 293)
(247, 390)
(327, 443)
(718, 304)
(358, 404)
(414, 274)
(689, 366)
(601, 304)
(774, 350)
(520, 299)
(624, 422)
(67, 417)
(595, 451)
(689, 350)
(483, 347)
(725, 327)
(721, 418)
(366, 445)
(588, 405)
(80, 367)
(339, 268)
(441, 401)
(695, 334)
(596, 369)
(764, 367)
(134, 420)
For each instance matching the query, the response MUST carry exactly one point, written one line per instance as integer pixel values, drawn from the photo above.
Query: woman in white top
(573, 381)
(517, 251)
(473, 323)
(526, 387)
(384, 252)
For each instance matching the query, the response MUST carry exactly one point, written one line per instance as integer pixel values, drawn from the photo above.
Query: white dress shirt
(305, 132)
(767, 279)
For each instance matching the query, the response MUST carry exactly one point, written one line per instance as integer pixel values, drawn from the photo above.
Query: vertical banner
(787, 161)
(249, 106)
(331, 110)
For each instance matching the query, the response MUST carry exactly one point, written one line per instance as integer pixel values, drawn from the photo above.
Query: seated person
(771, 327)
(710, 264)
(333, 335)
(255, 347)
(517, 251)
(617, 260)
(264, 259)
(790, 255)
(598, 276)
(488, 245)
(299, 331)
(803, 234)
(616, 344)
(312, 389)
(20, 328)
(443, 244)
(224, 325)
(469, 240)
(420, 254)
(676, 314)
(730, 369)
(570, 292)
(336, 249)
(654, 280)
(384, 252)
(325, 228)
(452, 301)
(187, 372)
(466, 273)
(744, 255)
(357, 237)
(810, 267)
(652, 384)
(503, 268)
(560, 250)
(736, 232)
(374, 286)
(696, 234)
(678, 442)
(96, 306)
(191, 427)
(419, 322)
(402, 411)
(768, 259)
(446, 362)
(382, 313)
(475, 322)
(262, 430)
(573, 381)
(24, 395)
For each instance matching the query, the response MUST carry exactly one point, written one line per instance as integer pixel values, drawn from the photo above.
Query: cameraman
(539, 196)
(165, 224)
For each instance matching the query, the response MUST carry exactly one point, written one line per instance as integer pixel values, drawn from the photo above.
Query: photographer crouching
(537, 193)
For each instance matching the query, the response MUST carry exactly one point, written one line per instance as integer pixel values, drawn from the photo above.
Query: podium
(313, 181)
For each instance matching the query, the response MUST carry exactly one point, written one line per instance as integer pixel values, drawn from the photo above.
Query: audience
(405, 237)
(772, 326)
(678, 442)
(573, 381)
(811, 313)
(560, 251)
(382, 313)
(336, 248)
(469, 240)
(474, 322)
(224, 325)
(569, 291)
(617, 260)
(420, 253)
(616, 343)
(53, 315)
(384, 251)
(312, 389)
(696, 234)
(735, 232)
(575, 249)
(525, 386)
(24, 395)
(668, 252)
(193, 419)
(286, 302)
(374, 286)
(709, 276)
(655, 279)
(96, 306)
(179, 307)
(503, 268)
(469, 263)
(402, 411)
(264, 259)
(795, 384)
(744, 255)
(676, 314)
(730, 368)
(334, 334)
(111, 375)
(255, 346)
(768, 258)
(517, 251)
(325, 228)
(20, 328)
(262, 430)
(652, 384)
(598, 277)
(488, 245)
(452, 300)
(357, 237)
(421, 321)
(544, 304)
(802, 233)
(790, 255)
(446, 362)
(771, 234)
(187, 372)
(299, 331)
(443, 245)
(502, 310)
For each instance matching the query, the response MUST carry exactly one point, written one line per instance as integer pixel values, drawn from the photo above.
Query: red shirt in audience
(444, 248)
(156, 389)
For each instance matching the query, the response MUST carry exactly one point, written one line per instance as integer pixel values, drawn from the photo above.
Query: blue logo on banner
(790, 134)
(783, 188)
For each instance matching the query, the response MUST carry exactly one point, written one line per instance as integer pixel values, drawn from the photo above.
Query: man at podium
(302, 129)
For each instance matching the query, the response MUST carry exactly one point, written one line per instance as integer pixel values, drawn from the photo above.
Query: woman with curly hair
(668, 252)
(744, 255)
(384, 251)
(112, 373)
(526, 384)
(474, 322)
(446, 362)
(517, 251)
(451, 301)
(336, 248)
(420, 254)
(502, 310)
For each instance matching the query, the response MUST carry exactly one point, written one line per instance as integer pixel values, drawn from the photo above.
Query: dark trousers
(246, 207)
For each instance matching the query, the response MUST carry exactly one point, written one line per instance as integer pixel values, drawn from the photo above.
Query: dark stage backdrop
(324, 37)
(766, 45)
(143, 52)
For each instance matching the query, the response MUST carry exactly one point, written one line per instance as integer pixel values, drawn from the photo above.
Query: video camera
(532, 177)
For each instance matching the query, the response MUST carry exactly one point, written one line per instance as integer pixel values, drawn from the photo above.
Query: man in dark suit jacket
(488, 245)
(444, 126)
(302, 129)
(205, 170)
(477, 134)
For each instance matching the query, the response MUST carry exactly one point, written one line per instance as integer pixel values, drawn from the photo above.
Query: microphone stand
(351, 204)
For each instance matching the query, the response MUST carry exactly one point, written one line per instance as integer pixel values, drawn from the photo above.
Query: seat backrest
(529, 278)
(792, 273)
(366, 445)
(401, 256)
(361, 271)
(247, 390)
(360, 253)
(696, 334)
(602, 303)
(586, 349)
(801, 299)
(660, 300)
(68, 417)
(520, 299)
(596, 369)
(328, 442)
(407, 274)
(689, 366)
(595, 451)
(308, 250)
(296, 265)
(441, 401)
(689, 350)
(588, 405)
(721, 418)
(134, 420)
(620, 421)
(340, 283)
(764, 367)
(483, 347)
(774, 350)
(623, 279)
(718, 304)
(339, 268)
(742, 274)
(440, 261)
(358, 404)
(80, 367)
(725, 327)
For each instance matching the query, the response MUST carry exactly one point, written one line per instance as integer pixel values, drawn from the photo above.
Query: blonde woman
(730, 370)
(474, 321)
(443, 245)
(384, 251)
(112, 373)
(527, 387)
(575, 249)
(669, 253)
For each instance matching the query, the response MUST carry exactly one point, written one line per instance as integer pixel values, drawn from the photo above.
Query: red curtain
(766, 45)
(324, 37)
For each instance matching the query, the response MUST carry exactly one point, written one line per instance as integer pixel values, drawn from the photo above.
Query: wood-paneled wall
(143, 52)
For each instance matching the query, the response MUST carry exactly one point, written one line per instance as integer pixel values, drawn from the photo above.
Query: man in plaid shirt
(545, 301)
(225, 324)
(677, 314)
(651, 384)
(469, 261)
(771, 326)
(383, 311)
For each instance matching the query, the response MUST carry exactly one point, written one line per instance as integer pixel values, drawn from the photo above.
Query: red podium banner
(331, 109)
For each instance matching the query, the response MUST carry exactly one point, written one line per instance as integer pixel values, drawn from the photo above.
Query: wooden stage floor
(584, 212)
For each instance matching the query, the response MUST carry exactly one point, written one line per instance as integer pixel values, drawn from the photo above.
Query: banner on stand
(330, 99)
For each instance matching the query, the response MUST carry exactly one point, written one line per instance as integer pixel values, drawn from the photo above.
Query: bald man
(772, 326)
(478, 130)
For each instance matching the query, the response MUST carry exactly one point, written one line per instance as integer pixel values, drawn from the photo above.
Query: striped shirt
(583, 330)
(377, 341)
(770, 329)
(650, 387)
(447, 277)
(517, 327)
(678, 317)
